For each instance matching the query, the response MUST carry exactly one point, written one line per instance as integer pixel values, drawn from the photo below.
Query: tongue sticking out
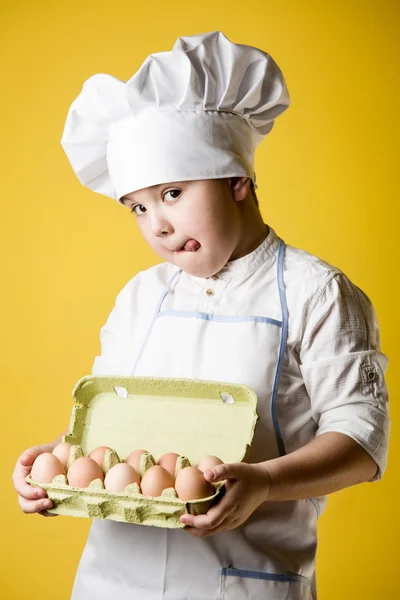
(191, 246)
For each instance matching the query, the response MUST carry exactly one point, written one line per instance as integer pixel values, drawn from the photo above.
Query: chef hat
(196, 112)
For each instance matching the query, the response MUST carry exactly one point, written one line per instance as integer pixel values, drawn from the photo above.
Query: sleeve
(343, 367)
(115, 337)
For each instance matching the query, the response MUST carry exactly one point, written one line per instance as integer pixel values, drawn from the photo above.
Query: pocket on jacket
(237, 584)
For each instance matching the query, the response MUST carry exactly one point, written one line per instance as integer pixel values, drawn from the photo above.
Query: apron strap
(282, 347)
(156, 312)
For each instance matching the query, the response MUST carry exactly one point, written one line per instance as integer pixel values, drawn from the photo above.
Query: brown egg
(168, 462)
(133, 458)
(191, 485)
(155, 481)
(207, 462)
(83, 471)
(97, 454)
(62, 452)
(46, 467)
(119, 476)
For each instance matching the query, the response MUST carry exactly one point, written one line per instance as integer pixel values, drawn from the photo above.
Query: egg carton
(129, 506)
(199, 417)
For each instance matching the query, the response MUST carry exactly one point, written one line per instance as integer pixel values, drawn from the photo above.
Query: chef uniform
(278, 319)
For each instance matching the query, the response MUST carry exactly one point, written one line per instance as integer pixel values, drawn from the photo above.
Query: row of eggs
(189, 482)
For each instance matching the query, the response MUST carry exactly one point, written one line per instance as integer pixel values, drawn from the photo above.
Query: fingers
(44, 513)
(22, 469)
(227, 471)
(28, 457)
(34, 506)
(221, 515)
(27, 491)
(200, 533)
(31, 499)
(217, 473)
(225, 526)
(223, 511)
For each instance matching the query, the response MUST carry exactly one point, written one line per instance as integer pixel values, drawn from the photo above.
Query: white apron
(271, 556)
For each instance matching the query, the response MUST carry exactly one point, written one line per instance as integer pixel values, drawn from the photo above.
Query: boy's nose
(160, 226)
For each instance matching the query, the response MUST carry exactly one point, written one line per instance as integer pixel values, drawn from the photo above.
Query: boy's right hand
(31, 499)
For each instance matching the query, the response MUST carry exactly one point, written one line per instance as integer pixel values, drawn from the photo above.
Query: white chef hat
(196, 112)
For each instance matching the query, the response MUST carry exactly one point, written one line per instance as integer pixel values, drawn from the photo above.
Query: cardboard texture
(190, 417)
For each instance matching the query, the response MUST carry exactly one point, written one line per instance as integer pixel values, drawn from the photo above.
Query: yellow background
(327, 183)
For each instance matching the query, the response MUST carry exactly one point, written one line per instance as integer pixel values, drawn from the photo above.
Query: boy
(231, 302)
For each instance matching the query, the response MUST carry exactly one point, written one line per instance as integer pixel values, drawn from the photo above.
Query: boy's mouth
(189, 246)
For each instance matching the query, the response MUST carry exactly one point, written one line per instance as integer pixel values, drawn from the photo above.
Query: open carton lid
(190, 417)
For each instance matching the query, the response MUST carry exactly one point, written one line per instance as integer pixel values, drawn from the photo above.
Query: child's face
(204, 213)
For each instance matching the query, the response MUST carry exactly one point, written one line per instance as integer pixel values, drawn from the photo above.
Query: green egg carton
(193, 418)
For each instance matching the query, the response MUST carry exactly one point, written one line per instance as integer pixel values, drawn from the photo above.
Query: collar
(240, 267)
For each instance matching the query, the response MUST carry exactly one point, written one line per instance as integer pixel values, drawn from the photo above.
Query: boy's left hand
(247, 486)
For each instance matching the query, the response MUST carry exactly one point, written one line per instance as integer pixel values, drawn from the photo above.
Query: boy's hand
(31, 499)
(247, 486)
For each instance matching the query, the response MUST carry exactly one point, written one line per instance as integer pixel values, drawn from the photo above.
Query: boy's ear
(240, 187)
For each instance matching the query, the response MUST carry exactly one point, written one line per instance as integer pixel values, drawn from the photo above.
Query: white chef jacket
(334, 364)
(331, 378)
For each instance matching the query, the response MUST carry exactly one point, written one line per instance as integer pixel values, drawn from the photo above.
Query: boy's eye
(177, 192)
(138, 206)
(139, 209)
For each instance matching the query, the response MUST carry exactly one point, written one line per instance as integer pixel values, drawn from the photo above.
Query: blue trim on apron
(230, 572)
(282, 348)
(159, 304)
(219, 318)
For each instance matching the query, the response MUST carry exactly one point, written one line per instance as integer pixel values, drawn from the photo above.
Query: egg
(119, 476)
(62, 452)
(208, 462)
(83, 471)
(155, 481)
(168, 462)
(98, 454)
(191, 485)
(46, 467)
(133, 458)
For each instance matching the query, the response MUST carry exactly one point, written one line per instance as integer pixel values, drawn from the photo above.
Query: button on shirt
(333, 372)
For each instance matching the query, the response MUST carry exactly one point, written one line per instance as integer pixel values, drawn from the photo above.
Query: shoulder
(318, 291)
(306, 276)
(137, 300)
(302, 264)
(315, 278)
